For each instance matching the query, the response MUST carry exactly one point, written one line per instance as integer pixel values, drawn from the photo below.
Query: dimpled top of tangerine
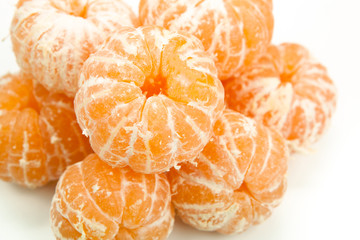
(52, 38)
(234, 31)
(38, 140)
(286, 88)
(149, 99)
(96, 201)
(237, 179)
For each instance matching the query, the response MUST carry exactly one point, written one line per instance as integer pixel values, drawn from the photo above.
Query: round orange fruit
(96, 201)
(149, 99)
(236, 181)
(52, 38)
(286, 88)
(38, 140)
(233, 32)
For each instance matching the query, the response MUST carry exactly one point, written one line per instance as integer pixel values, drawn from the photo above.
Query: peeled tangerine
(52, 38)
(95, 201)
(149, 99)
(39, 135)
(232, 31)
(286, 88)
(236, 181)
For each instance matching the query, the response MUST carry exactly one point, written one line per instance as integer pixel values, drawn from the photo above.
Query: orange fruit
(233, 32)
(37, 140)
(52, 38)
(96, 201)
(286, 88)
(236, 181)
(149, 99)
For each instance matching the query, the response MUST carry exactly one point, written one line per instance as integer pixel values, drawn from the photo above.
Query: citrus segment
(16, 92)
(23, 155)
(149, 99)
(236, 181)
(62, 137)
(96, 201)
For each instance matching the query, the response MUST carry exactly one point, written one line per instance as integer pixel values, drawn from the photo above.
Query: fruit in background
(52, 38)
(287, 89)
(236, 181)
(38, 140)
(234, 32)
(149, 99)
(96, 201)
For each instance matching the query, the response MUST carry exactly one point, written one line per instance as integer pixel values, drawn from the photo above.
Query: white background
(322, 201)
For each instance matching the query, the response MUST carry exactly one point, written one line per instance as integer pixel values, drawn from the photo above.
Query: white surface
(322, 201)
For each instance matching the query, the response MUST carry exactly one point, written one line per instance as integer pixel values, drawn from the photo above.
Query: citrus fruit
(149, 99)
(233, 32)
(52, 38)
(288, 89)
(96, 201)
(38, 140)
(236, 181)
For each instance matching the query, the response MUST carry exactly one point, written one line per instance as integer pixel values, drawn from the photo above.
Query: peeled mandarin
(286, 88)
(149, 99)
(96, 201)
(236, 181)
(52, 38)
(233, 32)
(38, 140)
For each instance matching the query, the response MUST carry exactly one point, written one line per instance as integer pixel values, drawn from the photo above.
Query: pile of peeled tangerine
(186, 109)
